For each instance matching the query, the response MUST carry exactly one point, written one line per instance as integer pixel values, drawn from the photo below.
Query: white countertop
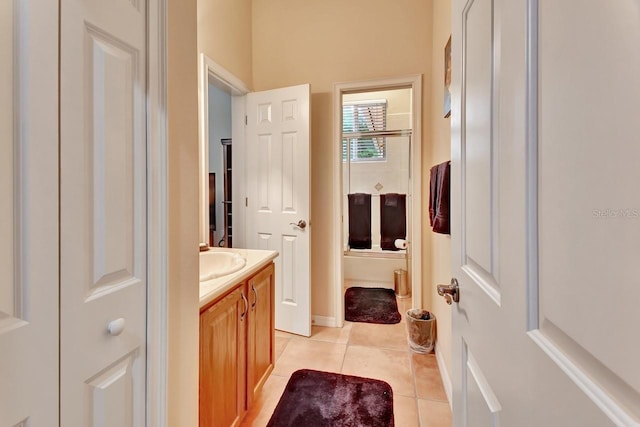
(256, 260)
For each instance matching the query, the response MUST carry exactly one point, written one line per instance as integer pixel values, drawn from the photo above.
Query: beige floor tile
(384, 336)
(405, 411)
(427, 375)
(434, 414)
(366, 350)
(337, 335)
(302, 353)
(286, 334)
(392, 366)
(281, 344)
(263, 408)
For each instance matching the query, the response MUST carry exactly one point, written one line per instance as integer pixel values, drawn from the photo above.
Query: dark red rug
(319, 399)
(371, 305)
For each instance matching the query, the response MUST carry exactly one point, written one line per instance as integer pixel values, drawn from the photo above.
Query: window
(364, 116)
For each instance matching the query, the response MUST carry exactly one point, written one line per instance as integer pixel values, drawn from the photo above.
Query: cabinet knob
(115, 327)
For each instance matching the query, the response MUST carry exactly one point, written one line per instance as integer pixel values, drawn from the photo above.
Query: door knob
(451, 292)
(115, 327)
(302, 224)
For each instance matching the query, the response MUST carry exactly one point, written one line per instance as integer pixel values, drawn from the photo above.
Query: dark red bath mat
(325, 399)
(371, 305)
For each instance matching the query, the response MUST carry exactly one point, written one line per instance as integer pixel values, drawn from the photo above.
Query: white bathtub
(371, 270)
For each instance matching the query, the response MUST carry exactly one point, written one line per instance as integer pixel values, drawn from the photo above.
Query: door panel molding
(477, 394)
(480, 254)
(618, 401)
(531, 162)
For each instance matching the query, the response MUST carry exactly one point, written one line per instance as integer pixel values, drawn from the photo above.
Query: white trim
(324, 321)
(415, 238)
(444, 374)
(157, 304)
(609, 406)
(365, 102)
(208, 68)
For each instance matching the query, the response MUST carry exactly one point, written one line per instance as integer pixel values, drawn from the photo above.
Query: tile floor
(366, 350)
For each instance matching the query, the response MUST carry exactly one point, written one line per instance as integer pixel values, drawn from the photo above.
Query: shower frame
(407, 133)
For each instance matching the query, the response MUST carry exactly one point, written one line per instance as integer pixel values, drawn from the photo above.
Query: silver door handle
(302, 224)
(451, 292)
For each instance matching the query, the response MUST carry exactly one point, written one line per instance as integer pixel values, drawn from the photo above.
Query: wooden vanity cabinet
(261, 338)
(222, 360)
(237, 349)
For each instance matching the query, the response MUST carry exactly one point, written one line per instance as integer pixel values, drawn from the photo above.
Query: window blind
(364, 117)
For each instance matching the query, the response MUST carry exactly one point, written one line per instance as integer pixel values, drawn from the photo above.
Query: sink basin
(214, 264)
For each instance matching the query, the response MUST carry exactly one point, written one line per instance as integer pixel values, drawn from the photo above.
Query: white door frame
(157, 213)
(415, 237)
(209, 69)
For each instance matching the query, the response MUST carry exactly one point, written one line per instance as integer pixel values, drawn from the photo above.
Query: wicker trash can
(421, 328)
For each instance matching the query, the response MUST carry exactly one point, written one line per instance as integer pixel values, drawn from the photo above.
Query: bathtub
(372, 269)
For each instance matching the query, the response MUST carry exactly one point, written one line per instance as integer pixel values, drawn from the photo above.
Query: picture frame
(447, 78)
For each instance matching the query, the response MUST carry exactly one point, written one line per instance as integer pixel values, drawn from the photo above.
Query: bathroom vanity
(237, 339)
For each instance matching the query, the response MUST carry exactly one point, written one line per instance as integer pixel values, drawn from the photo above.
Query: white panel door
(103, 211)
(546, 217)
(278, 184)
(28, 213)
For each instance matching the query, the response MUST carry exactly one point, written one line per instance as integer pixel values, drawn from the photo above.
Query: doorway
(349, 260)
(221, 150)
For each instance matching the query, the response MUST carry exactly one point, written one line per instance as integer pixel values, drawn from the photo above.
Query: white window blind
(366, 116)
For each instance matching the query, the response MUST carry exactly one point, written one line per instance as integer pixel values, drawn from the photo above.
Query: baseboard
(323, 321)
(444, 374)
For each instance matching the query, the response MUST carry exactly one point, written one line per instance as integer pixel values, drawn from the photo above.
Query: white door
(278, 188)
(103, 211)
(546, 212)
(28, 213)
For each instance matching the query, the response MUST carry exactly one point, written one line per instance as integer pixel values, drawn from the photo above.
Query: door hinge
(246, 120)
(246, 202)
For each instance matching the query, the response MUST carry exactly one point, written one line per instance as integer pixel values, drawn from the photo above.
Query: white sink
(218, 263)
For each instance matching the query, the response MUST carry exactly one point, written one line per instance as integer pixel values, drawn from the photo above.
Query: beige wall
(327, 42)
(224, 35)
(441, 151)
(183, 214)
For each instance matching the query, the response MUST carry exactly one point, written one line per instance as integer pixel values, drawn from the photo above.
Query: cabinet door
(223, 362)
(261, 351)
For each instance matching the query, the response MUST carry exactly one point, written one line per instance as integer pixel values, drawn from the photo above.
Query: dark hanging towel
(360, 221)
(441, 219)
(433, 193)
(393, 220)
